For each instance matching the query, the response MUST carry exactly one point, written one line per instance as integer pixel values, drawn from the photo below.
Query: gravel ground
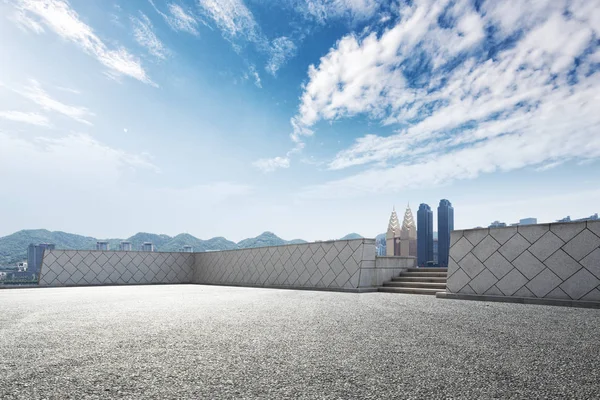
(191, 341)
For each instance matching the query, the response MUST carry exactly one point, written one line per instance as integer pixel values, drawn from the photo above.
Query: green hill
(262, 240)
(219, 243)
(267, 239)
(185, 239)
(296, 241)
(159, 241)
(351, 236)
(13, 248)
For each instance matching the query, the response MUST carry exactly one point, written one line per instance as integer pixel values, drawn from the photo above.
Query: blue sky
(308, 118)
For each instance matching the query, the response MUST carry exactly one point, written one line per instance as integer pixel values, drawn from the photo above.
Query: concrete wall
(385, 269)
(550, 261)
(341, 264)
(81, 267)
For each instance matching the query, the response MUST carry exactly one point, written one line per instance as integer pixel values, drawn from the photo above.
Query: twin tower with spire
(401, 240)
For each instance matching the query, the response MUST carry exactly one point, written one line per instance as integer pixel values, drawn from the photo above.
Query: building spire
(409, 228)
(394, 225)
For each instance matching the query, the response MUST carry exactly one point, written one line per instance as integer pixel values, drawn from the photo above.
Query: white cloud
(179, 19)
(78, 156)
(38, 95)
(272, 164)
(182, 21)
(59, 17)
(529, 105)
(546, 140)
(145, 36)
(322, 10)
(465, 164)
(238, 25)
(25, 117)
(233, 18)
(253, 74)
(367, 74)
(282, 49)
(25, 23)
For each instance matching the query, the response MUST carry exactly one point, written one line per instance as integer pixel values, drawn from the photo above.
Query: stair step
(428, 269)
(409, 290)
(425, 274)
(425, 285)
(403, 278)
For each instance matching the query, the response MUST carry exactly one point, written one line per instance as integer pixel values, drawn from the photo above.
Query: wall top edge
(121, 251)
(364, 240)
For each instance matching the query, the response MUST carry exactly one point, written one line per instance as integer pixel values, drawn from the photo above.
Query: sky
(307, 118)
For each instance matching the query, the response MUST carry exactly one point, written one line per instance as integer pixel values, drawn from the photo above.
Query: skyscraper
(393, 234)
(424, 235)
(401, 240)
(380, 245)
(445, 226)
(408, 235)
(35, 255)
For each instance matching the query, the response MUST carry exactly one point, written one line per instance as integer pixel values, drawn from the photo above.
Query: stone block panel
(333, 264)
(553, 261)
(82, 268)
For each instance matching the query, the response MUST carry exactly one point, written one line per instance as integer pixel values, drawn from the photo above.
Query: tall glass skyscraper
(424, 235)
(35, 256)
(445, 226)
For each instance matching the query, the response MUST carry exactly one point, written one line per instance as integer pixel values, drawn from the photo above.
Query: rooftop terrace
(196, 341)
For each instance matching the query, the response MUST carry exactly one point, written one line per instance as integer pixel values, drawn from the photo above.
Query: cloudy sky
(308, 118)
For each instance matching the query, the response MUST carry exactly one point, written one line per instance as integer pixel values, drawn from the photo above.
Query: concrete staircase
(418, 281)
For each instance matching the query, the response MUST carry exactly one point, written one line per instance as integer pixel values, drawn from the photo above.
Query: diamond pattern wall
(552, 261)
(335, 264)
(80, 267)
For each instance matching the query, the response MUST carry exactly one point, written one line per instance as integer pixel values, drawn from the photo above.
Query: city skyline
(239, 117)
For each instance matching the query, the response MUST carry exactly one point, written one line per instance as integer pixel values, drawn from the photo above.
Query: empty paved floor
(190, 341)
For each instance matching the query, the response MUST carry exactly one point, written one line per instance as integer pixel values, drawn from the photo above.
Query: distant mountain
(266, 239)
(296, 241)
(216, 243)
(13, 248)
(351, 236)
(159, 241)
